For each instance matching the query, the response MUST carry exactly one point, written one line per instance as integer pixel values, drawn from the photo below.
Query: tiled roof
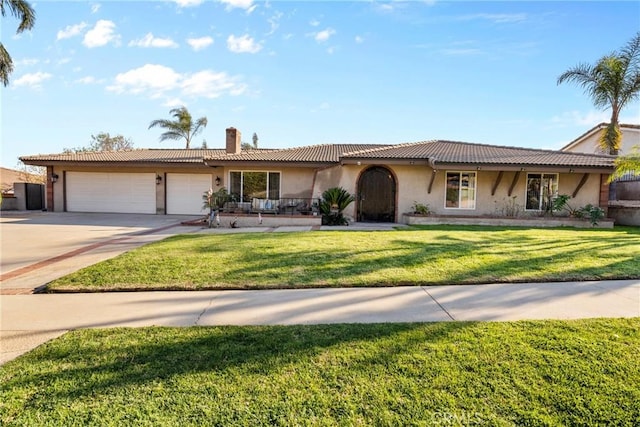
(326, 153)
(437, 151)
(141, 155)
(467, 153)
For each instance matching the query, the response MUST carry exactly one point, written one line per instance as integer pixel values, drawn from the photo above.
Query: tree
(182, 127)
(104, 142)
(628, 164)
(250, 146)
(612, 82)
(27, 16)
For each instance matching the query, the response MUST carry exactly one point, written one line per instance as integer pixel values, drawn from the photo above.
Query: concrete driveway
(31, 241)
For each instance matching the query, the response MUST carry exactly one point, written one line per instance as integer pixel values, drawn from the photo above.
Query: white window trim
(242, 171)
(475, 192)
(526, 188)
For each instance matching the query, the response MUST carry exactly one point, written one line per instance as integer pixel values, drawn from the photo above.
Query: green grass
(434, 255)
(457, 373)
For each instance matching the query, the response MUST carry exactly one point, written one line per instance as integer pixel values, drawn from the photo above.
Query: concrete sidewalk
(30, 320)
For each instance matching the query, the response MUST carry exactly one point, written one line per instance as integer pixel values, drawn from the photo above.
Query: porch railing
(284, 206)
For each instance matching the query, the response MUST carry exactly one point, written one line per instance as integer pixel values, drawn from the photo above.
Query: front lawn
(457, 373)
(418, 256)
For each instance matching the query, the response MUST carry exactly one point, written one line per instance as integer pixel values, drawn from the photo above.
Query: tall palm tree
(612, 82)
(182, 127)
(27, 16)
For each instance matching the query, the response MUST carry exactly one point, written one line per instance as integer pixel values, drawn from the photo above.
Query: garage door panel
(184, 193)
(111, 192)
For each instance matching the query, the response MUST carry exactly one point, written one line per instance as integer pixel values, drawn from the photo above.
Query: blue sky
(302, 73)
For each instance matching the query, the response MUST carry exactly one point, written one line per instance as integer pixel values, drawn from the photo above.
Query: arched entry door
(377, 195)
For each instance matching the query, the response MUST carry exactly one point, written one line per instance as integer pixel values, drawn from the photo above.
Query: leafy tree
(628, 164)
(182, 127)
(612, 82)
(104, 142)
(250, 146)
(27, 16)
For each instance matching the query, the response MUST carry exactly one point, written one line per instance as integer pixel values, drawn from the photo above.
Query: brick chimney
(233, 141)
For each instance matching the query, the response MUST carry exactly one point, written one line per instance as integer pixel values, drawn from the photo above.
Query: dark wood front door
(377, 195)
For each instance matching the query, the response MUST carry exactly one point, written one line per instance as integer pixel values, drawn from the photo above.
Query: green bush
(334, 201)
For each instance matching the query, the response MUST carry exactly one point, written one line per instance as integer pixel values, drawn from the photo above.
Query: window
(541, 188)
(461, 190)
(244, 186)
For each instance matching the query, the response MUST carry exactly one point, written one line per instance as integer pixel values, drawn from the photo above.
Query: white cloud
(573, 118)
(156, 81)
(63, 61)
(27, 62)
(150, 78)
(32, 80)
(274, 21)
(324, 35)
(95, 7)
(200, 43)
(188, 3)
(239, 4)
(359, 39)
(243, 44)
(86, 80)
(150, 41)
(100, 35)
(173, 102)
(71, 31)
(314, 22)
(496, 18)
(209, 84)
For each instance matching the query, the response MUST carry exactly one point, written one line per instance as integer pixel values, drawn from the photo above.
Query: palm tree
(628, 164)
(613, 82)
(27, 16)
(182, 127)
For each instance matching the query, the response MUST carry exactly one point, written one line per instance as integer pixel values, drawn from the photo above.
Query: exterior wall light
(54, 177)
(158, 179)
(218, 180)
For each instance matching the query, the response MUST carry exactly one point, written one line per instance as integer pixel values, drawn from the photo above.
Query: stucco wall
(630, 137)
(413, 183)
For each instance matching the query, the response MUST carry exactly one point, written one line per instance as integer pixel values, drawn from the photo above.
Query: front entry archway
(377, 195)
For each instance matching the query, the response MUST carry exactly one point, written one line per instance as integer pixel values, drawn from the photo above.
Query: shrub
(334, 201)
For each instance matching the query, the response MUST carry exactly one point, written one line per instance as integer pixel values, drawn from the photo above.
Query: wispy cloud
(359, 39)
(71, 31)
(243, 44)
(150, 41)
(274, 22)
(27, 62)
(87, 80)
(496, 18)
(239, 4)
(95, 7)
(188, 3)
(102, 34)
(32, 80)
(573, 118)
(324, 35)
(461, 51)
(158, 81)
(200, 43)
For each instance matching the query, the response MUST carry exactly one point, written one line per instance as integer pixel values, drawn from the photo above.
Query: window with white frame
(246, 185)
(460, 190)
(541, 188)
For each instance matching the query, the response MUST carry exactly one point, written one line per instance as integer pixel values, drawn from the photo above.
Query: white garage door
(184, 193)
(111, 192)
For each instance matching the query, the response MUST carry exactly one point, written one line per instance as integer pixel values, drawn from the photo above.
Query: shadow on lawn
(99, 361)
(464, 261)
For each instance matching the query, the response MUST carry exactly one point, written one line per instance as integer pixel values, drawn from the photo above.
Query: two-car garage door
(134, 192)
(111, 192)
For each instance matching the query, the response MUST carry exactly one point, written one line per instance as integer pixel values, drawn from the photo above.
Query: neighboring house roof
(433, 152)
(597, 128)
